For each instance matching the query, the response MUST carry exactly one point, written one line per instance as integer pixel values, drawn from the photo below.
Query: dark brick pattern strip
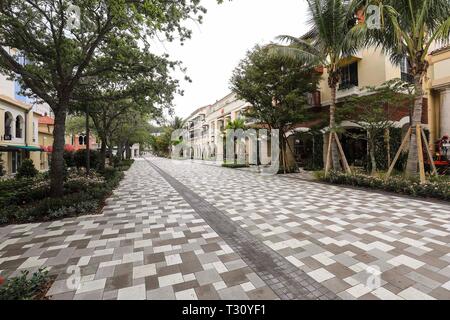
(285, 279)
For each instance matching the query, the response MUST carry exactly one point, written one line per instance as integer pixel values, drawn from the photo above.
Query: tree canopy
(276, 88)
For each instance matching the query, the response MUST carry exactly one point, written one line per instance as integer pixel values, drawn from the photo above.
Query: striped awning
(20, 148)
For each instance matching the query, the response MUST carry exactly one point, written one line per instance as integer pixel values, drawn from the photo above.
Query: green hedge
(438, 188)
(234, 165)
(25, 201)
(26, 287)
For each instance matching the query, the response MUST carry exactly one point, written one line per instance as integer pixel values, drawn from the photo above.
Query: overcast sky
(217, 45)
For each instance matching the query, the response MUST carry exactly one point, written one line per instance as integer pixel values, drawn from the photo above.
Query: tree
(409, 29)
(326, 44)
(177, 123)
(162, 143)
(374, 112)
(277, 90)
(56, 52)
(134, 128)
(236, 124)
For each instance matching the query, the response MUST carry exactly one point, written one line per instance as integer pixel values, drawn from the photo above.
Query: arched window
(8, 123)
(19, 127)
(82, 140)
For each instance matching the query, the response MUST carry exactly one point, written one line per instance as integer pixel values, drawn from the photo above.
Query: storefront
(15, 155)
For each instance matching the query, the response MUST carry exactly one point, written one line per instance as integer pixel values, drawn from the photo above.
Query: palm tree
(326, 44)
(409, 29)
(177, 123)
(236, 124)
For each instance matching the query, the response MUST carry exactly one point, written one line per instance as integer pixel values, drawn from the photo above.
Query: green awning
(19, 148)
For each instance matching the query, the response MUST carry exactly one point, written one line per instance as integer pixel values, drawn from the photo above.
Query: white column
(445, 112)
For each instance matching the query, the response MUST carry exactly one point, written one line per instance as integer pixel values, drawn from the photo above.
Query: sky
(217, 45)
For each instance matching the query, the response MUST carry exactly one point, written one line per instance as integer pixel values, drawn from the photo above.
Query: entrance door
(16, 160)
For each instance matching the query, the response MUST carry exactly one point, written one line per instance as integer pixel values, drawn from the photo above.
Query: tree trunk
(283, 153)
(388, 146)
(413, 156)
(372, 155)
(120, 151)
(57, 164)
(88, 144)
(128, 150)
(102, 153)
(110, 153)
(334, 148)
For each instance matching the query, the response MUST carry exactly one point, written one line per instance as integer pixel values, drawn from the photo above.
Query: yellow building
(46, 126)
(18, 134)
(438, 88)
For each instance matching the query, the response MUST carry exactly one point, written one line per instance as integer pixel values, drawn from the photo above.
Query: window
(405, 69)
(8, 122)
(81, 140)
(16, 160)
(19, 127)
(349, 76)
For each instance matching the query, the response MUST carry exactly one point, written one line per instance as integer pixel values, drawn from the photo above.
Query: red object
(46, 120)
(2, 280)
(67, 147)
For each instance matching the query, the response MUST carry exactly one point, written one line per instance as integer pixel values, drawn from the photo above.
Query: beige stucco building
(438, 90)
(18, 134)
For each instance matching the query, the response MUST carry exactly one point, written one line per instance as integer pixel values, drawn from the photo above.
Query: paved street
(183, 230)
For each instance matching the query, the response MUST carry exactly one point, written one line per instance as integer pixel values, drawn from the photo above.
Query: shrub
(27, 170)
(24, 287)
(27, 200)
(69, 158)
(234, 165)
(81, 156)
(438, 188)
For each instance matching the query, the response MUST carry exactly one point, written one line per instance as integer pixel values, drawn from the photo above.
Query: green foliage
(2, 172)
(24, 287)
(161, 145)
(437, 188)
(80, 158)
(107, 59)
(27, 200)
(374, 113)
(260, 77)
(277, 90)
(69, 159)
(27, 170)
(237, 124)
(234, 165)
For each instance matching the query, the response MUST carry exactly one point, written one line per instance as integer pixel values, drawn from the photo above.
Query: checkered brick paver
(358, 244)
(148, 244)
(163, 235)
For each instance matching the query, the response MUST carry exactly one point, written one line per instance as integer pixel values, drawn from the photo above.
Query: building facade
(18, 134)
(438, 91)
